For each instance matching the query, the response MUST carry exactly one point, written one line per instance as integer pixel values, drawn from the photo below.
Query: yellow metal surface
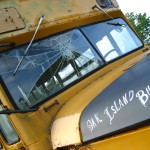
(15, 146)
(54, 11)
(65, 131)
(10, 20)
(2, 145)
(134, 140)
(58, 16)
(59, 126)
(34, 128)
(67, 120)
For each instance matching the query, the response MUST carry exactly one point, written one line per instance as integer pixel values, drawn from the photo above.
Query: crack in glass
(49, 65)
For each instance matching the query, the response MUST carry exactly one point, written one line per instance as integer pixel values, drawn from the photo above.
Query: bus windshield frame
(57, 62)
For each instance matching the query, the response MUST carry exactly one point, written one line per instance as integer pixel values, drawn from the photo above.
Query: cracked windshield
(50, 65)
(57, 61)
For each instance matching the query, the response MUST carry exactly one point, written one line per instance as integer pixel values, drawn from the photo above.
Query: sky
(136, 6)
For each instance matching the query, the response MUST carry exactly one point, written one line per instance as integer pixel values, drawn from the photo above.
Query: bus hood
(115, 102)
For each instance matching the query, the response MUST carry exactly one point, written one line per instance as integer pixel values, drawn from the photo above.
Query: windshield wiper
(39, 23)
(116, 24)
(7, 44)
(8, 112)
(99, 8)
(110, 23)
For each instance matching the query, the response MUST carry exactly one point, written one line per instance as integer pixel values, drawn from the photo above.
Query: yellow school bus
(74, 75)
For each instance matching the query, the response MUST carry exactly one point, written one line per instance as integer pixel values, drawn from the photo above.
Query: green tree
(141, 24)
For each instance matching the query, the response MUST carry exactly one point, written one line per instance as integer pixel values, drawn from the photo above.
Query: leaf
(141, 24)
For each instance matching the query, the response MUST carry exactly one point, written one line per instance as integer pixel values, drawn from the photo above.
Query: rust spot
(69, 10)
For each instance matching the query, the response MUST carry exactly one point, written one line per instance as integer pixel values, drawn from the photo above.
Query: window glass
(49, 66)
(57, 61)
(112, 38)
(7, 129)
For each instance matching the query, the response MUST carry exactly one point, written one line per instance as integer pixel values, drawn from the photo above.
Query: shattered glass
(50, 65)
(57, 61)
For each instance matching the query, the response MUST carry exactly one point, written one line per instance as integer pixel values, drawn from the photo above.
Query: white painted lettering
(148, 90)
(143, 97)
(121, 104)
(108, 114)
(131, 95)
(91, 124)
(97, 118)
(125, 99)
(116, 106)
(113, 109)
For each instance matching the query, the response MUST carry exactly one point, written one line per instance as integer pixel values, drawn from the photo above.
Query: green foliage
(141, 24)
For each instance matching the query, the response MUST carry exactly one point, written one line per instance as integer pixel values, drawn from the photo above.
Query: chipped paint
(65, 131)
